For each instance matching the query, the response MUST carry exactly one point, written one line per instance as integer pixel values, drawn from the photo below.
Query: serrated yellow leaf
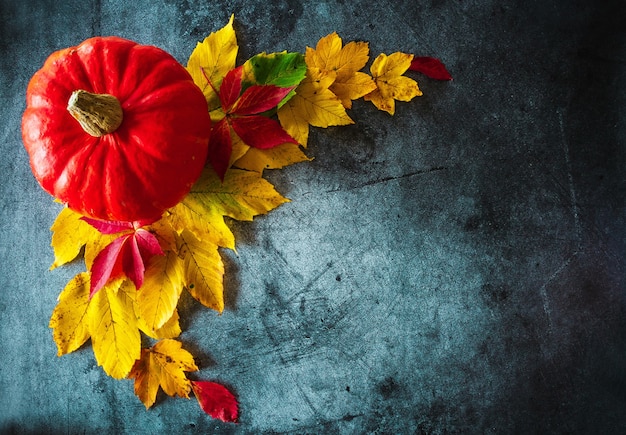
(242, 195)
(69, 320)
(204, 271)
(391, 84)
(274, 158)
(162, 365)
(212, 59)
(356, 86)
(313, 104)
(205, 222)
(69, 235)
(115, 338)
(165, 234)
(171, 328)
(346, 61)
(158, 296)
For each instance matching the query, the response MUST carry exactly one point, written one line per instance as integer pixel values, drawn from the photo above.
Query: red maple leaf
(430, 67)
(126, 255)
(243, 116)
(216, 400)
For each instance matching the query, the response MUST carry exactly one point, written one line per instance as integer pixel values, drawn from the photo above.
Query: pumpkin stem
(98, 114)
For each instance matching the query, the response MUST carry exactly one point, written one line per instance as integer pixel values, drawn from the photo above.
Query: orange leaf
(163, 365)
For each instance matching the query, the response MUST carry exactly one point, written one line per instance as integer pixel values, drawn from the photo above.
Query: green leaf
(279, 69)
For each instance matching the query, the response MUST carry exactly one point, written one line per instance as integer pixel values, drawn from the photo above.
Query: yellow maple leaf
(115, 338)
(346, 61)
(204, 271)
(273, 158)
(162, 365)
(158, 296)
(212, 59)
(242, 195)
(69, 320)
(313, 104)
(387, 72)
(69, 235)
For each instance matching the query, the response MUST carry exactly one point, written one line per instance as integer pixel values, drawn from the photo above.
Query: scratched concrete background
(459, 267)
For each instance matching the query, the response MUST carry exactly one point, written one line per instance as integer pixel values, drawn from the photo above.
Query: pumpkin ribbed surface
(145, 165)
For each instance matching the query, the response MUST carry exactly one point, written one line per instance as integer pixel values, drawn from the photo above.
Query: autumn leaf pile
(136, 272)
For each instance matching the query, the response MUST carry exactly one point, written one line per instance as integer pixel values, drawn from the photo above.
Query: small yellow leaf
(204, 271)
(315, 104)
(346, 62)
(69, 321)
(212, 59)
(69, 235)
(391, 84)
(158, 296)
(162, 365)
(274, 158)
(115, 338)
(170, 329)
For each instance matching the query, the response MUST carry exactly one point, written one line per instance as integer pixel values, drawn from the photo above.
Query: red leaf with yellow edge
(430, 67)
(260, 132)
(216, 400)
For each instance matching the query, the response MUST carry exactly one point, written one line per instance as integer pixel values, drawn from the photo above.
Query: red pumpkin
(129, 147)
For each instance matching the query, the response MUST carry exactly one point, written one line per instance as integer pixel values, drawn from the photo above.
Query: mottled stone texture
(459, 267)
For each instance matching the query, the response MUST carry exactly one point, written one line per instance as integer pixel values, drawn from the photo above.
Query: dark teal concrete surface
(456, 268)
